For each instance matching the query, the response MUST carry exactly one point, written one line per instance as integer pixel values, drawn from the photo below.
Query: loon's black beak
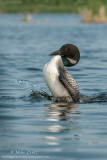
(55, 53)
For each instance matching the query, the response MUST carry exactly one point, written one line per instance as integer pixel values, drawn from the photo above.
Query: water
(32, 125)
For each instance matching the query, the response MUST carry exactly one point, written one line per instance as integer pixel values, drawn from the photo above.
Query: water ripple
(95, 98)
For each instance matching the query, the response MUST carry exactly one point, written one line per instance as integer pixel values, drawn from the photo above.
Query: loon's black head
(70, 54)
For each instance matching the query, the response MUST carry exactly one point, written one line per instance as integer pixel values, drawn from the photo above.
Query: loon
(59, 81)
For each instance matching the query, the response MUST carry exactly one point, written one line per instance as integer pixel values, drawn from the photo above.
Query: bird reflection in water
(62, 111)
(63, 123)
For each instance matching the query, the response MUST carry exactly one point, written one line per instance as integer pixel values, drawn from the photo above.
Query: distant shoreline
(91, 12)
(84, 18)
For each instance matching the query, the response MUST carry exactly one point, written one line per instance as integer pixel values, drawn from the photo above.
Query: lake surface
(32, 125)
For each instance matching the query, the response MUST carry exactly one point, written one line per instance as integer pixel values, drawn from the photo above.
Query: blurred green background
(50, 6)
(91, 10)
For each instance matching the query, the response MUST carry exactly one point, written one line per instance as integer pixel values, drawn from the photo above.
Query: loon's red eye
(66, 49)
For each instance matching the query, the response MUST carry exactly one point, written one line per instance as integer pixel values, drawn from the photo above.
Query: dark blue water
(32, 125)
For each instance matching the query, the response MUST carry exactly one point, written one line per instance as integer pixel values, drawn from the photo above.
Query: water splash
(27, 85)
(34, 93)
(38, 94)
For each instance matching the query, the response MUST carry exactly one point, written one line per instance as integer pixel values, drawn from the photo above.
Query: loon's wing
(69, 83)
